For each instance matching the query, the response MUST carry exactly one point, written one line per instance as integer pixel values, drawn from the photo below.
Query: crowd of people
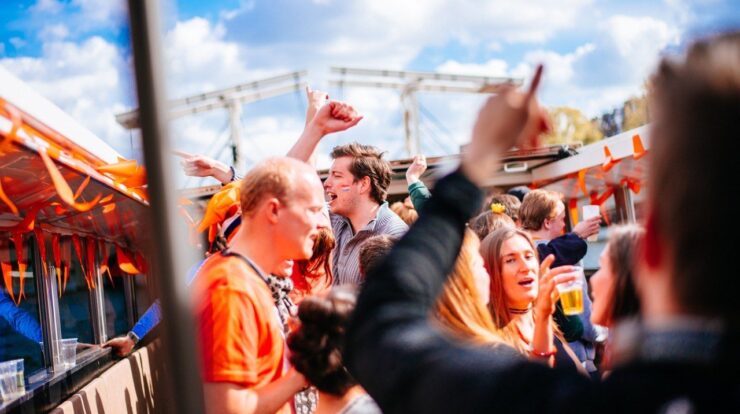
(326, 299)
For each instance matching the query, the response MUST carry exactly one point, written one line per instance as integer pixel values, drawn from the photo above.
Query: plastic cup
(571, 294)
(12, 384)
(590, 211)
(68, 352)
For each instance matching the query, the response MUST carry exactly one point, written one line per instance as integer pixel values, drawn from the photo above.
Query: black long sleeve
(406, 364)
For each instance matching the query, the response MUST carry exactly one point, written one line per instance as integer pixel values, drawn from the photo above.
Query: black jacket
(407, 365)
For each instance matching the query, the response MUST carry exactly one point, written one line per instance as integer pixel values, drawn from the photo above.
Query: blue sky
(597, 54)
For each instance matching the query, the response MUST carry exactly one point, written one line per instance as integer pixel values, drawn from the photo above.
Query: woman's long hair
(314, 275)
(491, 251)
(459, 308)
(623, 241)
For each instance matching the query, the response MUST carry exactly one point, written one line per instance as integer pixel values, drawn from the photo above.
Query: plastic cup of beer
(571, 293)
(590, 211)
(68, 352)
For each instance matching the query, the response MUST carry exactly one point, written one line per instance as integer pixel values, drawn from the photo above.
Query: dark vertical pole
(168, 235)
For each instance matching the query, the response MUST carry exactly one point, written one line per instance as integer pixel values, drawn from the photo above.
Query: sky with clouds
(596, 53)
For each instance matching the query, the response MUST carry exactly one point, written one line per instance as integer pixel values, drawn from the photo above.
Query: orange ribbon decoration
(104, 261)
(573, 206)
(66, 246)
(42, 250)
(599, 200)
(8, 202)
(609, 162)
(77, 243)
(125, 263)
(638, 150)
(90, 275)
(582, 182)
(7, 268)
(20, 256)
(632, 183)
(57, 252)
(63, 189)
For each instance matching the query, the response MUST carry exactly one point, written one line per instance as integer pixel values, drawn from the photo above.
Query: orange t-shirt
(239, 331)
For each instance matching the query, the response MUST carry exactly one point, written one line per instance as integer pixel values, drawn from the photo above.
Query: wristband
(547, 354)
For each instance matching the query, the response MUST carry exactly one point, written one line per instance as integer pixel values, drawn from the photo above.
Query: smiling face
(342, 189)
(519, 272)
(300, 218)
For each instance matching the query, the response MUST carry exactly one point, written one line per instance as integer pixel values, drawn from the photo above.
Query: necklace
(516, 311)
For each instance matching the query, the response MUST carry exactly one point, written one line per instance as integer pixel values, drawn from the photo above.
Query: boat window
(74, 306)
(20, 332)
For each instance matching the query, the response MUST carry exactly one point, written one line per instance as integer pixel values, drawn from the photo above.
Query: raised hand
(586, 228)
(547, 294)
(335, 116)
(316, 99)
(203, 166)
(416, 169)
(508, 119)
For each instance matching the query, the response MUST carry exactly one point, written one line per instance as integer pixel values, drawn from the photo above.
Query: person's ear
(365, 184)
(271, 209)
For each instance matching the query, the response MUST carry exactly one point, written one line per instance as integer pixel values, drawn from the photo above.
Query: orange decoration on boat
(609, 162)
(638, 149)
(63, 189)
(57, 253)
(5, 199)
(7, 269)
(20, 257)
(125, 263)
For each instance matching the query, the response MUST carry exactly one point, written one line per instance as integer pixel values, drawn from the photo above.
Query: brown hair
(538, 205)
(314, 273)
(272, 177)
(491, 251)
(408, 215)
(510, 203)
(622, 244)
(694, 147)
(367, 161)
(458, 307)
(373, 250)
(487, 222)
(316, 345)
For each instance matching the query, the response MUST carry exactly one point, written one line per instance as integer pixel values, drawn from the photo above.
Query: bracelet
(233, 174)
(132, 336)
(547, 354)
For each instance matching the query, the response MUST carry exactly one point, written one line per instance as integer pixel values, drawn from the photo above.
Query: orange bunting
(104, 261)
(77, 243)
(600, 199)
(7, 269)
(28, 221)
(5, 199)
(573, 207)
(609, 161)
(66, 246)
(632, 183)
(125, 263)
(41, 242)
(20, 257)
(62, 188)
(582, 182)
(638, 149)
(90, 275)
(123, 168)
(82, 187)
(57, 253)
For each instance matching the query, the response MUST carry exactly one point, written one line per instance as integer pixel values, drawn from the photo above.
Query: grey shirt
(346, 260)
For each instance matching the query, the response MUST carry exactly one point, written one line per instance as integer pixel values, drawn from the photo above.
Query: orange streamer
(104, 261)
(19, 253)
(57, 253)
(609, 162)
(5, 199)
(77, 243)
(7, 268)
(90, 275)
(42, 250)
(62, 188)
(125, 263)
(638, 149)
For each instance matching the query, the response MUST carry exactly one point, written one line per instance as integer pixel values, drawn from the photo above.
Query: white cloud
(17, 42)
(54, 32)
(493, 67)
(84, 79)
(47, 6)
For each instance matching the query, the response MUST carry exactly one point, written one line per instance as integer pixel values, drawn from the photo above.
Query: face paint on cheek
(344, 189)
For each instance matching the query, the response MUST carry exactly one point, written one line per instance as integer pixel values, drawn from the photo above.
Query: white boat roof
(31, 102)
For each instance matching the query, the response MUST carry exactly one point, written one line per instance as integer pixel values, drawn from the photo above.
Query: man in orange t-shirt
(240, 335)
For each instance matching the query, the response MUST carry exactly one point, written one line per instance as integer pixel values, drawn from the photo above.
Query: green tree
(571, 126)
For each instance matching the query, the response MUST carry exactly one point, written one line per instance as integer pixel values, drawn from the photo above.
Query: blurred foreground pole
(167, 231)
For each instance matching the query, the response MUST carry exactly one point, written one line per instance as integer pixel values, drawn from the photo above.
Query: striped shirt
(346, 260)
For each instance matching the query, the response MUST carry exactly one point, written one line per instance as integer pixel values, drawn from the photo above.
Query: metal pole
(168, 235)
(235, 125)
(96, 298)
(48, 301)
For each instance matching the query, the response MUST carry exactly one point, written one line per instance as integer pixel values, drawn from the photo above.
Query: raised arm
(334, 116)
(398, 357)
